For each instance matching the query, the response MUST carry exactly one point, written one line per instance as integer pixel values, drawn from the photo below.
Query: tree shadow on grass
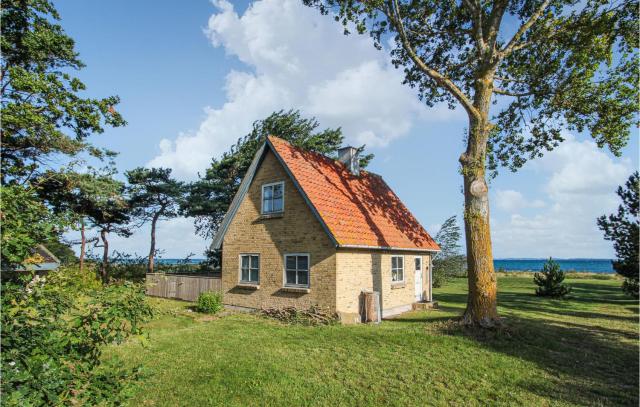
(529, 302)
(585, 364)
(588, 363)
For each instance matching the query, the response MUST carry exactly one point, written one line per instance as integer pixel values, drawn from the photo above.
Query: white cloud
(512, 201)
(297, 58)
(581, 184)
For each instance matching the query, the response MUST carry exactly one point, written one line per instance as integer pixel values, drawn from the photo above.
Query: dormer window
(273, 198)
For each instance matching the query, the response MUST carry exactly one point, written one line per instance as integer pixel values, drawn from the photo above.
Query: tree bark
(104, 273)
(83, 243)
(482, 298)
(152, 250)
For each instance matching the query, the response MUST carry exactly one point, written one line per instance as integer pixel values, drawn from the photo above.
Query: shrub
(549, 281)
(312, 316)
(52, 341)
(209, 303)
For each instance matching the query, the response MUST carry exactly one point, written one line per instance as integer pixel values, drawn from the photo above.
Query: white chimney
(349, 156)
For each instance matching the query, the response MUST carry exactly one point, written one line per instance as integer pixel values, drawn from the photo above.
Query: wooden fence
(182, 287)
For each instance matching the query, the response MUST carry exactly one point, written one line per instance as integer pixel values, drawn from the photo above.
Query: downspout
(430, 298)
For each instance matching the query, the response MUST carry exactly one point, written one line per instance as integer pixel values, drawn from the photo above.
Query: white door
(418, 278)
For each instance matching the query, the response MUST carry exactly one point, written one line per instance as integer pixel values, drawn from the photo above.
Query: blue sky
(192, 79)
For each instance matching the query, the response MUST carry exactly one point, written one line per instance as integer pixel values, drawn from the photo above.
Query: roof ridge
(320, 154)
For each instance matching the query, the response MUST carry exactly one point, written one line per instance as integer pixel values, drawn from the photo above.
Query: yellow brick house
(305, 230)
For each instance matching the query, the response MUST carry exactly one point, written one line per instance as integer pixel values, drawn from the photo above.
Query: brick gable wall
(297, 231)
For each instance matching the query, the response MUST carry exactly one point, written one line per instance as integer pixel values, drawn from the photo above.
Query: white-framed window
(296, 270)
(418, 261)
(397, 269)
(273, 197)
(250, 268)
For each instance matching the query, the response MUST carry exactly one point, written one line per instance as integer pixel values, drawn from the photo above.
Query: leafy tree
(556, 65)
(549, 281)
(622, 229)
(449, 262)
(43, 114)
(154, 195)
(26, 222)
(44, 118)
(210, 196)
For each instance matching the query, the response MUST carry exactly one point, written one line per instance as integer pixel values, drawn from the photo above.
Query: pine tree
(154, 196)
(549, 281)
(622, 228)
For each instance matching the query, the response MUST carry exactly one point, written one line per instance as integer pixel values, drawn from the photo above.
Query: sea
(585, 265)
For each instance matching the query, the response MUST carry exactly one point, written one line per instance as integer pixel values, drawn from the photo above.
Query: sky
(193, 77)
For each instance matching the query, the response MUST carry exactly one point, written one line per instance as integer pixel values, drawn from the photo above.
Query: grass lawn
(581, 351)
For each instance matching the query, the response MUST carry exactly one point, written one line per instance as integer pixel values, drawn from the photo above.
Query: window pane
(394, 275)
(418, 263)
(245, 275)
(277, 191)
(255, 262)
(400, 262)
(267, 206)
(291, 262)
(303, 263)
(267, 192)
(277, 205)
(303, 277)
(245, 261)
(400, 275)
(291, 276)
(254, 275)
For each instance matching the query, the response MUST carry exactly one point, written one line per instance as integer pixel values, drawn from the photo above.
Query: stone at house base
(423, 305)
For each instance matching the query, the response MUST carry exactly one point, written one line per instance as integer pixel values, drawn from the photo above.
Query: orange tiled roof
(357, 210)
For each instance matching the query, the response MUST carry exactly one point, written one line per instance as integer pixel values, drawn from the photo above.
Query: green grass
(581, 351)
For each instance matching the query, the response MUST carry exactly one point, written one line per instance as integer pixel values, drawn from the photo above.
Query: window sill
(248, 286)
(273, 215)
(297, 290)
(399, 284)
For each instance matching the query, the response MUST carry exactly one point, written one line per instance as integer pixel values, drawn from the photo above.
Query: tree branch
(495, 19)
(524, 28)
(476, 11)
(509, 93)
(393, 13)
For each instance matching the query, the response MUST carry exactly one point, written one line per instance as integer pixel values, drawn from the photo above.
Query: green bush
(549, 281)
(53, 335)
(209, 303)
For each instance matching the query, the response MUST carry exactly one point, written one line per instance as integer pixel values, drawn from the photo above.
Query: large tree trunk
(83, 243)
(152, 250)
(482, 299)
(104, 273)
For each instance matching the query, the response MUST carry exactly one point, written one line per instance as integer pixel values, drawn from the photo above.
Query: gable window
(273, 198)
(249, 268)
(397, 269)
(296, 270)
